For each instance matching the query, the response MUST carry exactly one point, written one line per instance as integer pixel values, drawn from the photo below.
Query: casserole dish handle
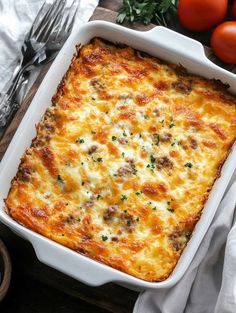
(176, 41)
(63, 259)
(189, 51)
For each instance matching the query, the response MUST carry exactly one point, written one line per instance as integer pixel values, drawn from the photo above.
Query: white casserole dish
(159, 42)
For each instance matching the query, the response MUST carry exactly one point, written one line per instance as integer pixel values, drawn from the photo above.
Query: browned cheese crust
(124, 159)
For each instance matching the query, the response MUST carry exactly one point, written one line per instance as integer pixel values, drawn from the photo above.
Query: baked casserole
(124, 159)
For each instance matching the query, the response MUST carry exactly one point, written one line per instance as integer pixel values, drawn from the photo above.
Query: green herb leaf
(157, 139)
(146, 11)
(128, 222)
(60, 181)
(188, 164)
(153, 159)
(79, 140)
(104, 238)
(123, 197)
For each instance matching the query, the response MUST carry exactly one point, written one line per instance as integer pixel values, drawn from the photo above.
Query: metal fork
(48, 33)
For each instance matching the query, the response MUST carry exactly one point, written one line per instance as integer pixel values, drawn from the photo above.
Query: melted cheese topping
(124, 159)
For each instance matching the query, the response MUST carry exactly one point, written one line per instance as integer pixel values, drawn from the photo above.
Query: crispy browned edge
(180, 70)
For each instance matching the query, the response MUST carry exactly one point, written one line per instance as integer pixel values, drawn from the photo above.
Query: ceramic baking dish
(159, 42)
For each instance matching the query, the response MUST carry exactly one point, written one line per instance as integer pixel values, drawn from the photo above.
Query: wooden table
(111, 297)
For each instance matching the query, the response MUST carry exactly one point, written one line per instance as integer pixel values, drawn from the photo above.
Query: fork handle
(10, 100)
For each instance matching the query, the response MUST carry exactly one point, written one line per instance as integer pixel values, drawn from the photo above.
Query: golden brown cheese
(124, 159)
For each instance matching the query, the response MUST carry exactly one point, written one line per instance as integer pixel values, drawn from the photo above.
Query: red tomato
(201, 15)
(234, 10)
(223, 42)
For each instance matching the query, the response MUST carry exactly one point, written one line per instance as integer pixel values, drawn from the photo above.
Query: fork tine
(71, 16)
(52, 24)
(69, 25)
(66, 26)
(36, 21)
(47, 17)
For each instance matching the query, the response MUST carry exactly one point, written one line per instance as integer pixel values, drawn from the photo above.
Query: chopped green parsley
(157, 139)
(79, 140)
(153, 159)
(123, 197)
(188, 164)
(104, 238)
(128, 222)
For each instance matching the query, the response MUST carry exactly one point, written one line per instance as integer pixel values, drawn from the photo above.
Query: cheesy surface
(124, 159)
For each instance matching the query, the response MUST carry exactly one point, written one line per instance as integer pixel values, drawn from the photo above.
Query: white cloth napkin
(16, 18)
(209, 285)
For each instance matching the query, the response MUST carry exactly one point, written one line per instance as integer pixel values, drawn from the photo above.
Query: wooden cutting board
(111, 297)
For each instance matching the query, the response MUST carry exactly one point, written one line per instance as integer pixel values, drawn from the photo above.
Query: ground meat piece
(115, 239)
(130, 161)
(125, 97)
(129, 221)
(164, 162)
(24, 173)
(193, 143)
(156, 112)
(183, 144)
(70, 219)
(125, 171)
(92, 149)
(179, 238)
(39, 212)
(128, 169)
(110, 212)
(165, 137)
(49, 127)
(90, 202)
(123, 141)
(183, 86)
(97, 84)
